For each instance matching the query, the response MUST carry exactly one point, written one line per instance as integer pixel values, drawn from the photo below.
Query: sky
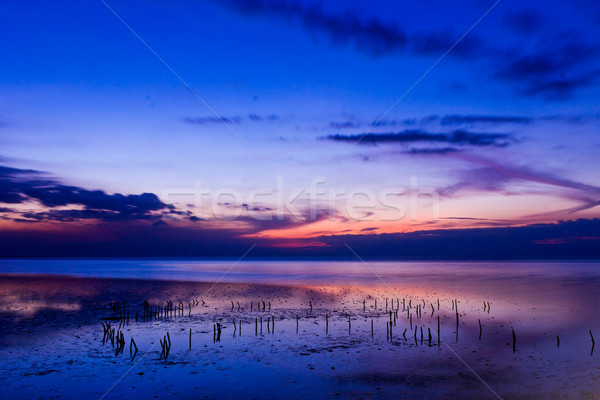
(203, 128)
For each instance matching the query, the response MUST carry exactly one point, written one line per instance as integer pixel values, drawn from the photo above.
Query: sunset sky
(115, 116)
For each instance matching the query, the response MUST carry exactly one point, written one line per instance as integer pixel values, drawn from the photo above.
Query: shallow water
(307, 272)
(52, 342)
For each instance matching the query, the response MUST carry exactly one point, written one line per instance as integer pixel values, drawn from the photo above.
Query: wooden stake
(387, 331)
(136, 349)
(416, 335)
(438, 332)
(348, 324)
(514, 339)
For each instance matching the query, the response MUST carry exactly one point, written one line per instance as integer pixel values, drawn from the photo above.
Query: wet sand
(327, 340)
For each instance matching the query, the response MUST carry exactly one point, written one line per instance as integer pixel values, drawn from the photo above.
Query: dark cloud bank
(456, 137)
(578, 239)
(562, 62)
(19, 186)
(554, 71)
(372, 36)
(92, 223)
(235, 119)
(564, 240)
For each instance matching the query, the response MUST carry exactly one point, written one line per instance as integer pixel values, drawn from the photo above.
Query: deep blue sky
(504, 127)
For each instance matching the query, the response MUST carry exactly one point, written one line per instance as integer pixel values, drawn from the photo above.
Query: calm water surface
(51, 345)
(309, 272)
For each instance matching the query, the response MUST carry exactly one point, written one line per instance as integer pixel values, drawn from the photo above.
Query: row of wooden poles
(165, 311)
(117, 338)
(171, 309)
(165, 344)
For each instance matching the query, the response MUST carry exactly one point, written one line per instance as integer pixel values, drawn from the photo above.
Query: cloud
(60, 195)
(395, 122)
(270, 117)
(372, 36)
(554, 67)
(343, 124)
(87, 213)
(236, 119)
(266, 219)
(563, 240)
(24, 185)
(492, 176)
(456, 119)
(466, 120)
(524, 22)
(45, 199)
(562, 66)
(467, 218)
(212, 120)
(456, 137)
(11, 188)
(559, 88)
(432, 151)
